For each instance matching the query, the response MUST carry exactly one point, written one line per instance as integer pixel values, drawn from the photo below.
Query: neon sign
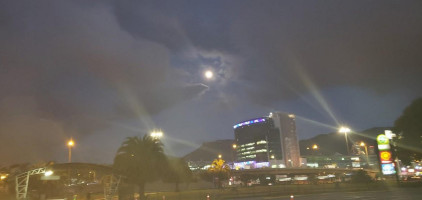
(383, 139)
(253, 121)
(385, 157)
(388, 169)
(387, 165)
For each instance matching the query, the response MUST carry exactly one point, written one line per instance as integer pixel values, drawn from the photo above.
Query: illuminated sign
(262, 164)
(385, 157)
(382, 139)
(389, 134)
(387, 165)
(384, 147)
(253, 121)
(388, 169)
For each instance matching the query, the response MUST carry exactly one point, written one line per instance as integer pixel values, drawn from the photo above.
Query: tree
(140, 160)
(178, 172)
(219, 170)
(409, 129)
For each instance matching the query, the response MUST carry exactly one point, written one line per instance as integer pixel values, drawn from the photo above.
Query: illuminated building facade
(286, 125)
(267, 142)
(257, 140)
(343, 161)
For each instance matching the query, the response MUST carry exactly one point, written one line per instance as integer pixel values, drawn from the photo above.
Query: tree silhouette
(409, 129)
(140, 160)
(178, 172)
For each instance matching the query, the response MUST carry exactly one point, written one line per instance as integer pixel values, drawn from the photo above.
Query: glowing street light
(362, 144)
(234, 146)
(156, 134)
(220, 156)
(48, 173)
(345, 130)
(70, 144)
(208, 74)
(315, 147)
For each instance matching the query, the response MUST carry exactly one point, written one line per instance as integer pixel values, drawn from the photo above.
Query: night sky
(102, 71)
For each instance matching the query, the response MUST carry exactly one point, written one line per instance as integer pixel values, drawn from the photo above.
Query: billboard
(386, 159)
(388, 169)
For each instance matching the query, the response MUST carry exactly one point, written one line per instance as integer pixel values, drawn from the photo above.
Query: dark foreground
(393, 194)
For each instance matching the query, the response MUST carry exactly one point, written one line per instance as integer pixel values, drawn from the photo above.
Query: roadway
(393, 194)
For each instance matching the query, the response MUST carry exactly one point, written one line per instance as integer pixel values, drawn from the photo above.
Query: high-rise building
(286, 125)
(257, 140)
(267, 142)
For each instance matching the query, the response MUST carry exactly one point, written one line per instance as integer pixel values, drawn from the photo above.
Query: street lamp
(345, 130)
(156, 134)
(314, 149)
(234, 152)
(70, 144)
(219, 156)
(362, 144)
(48, 173)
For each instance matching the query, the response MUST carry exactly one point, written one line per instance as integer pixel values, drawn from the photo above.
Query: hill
(328, 144)
(209, 151)
(331, 143)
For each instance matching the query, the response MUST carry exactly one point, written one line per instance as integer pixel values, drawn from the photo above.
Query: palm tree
(140, 160)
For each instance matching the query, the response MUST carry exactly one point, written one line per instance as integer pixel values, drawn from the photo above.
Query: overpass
(300, 171)
(101, 177)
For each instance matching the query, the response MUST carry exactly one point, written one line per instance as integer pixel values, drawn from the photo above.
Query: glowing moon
(208, 74)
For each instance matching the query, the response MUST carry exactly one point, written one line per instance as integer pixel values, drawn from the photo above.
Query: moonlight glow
(209, 74)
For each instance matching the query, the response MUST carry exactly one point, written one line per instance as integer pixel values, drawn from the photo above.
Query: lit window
(261, 142)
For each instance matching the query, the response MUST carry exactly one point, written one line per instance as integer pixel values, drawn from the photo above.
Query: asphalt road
(393, 194)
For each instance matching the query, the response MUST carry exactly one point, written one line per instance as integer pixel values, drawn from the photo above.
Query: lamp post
(234, 153)
(362, 144)
(345, 130)
(314, 148)
(70, 144)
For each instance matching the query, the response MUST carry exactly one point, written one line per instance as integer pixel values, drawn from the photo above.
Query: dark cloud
(73, 66)
(290, 45)
(342, 43)
(80, 65)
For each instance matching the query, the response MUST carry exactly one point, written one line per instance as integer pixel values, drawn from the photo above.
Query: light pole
(234, 153)
(315, 148)
(345, 130)
(362, 144)
(70, 144)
